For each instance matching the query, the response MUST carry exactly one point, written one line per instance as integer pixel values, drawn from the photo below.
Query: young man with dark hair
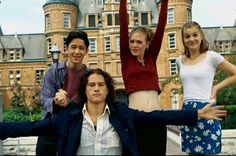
(61, 83)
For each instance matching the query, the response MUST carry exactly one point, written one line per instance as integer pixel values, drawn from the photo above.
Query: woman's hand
(211, 111)
(214, 91)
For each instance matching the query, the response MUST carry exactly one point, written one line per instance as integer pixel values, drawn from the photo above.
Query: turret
(60, 18)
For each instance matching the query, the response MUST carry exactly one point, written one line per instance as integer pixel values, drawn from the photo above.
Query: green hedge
(21, 114)
(230, 120)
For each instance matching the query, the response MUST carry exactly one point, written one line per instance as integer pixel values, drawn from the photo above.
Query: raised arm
(124, 38)
(158, 36)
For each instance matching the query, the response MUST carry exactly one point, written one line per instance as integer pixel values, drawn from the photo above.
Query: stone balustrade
(229, 142)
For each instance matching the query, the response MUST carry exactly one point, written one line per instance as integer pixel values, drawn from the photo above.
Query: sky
(27, 16)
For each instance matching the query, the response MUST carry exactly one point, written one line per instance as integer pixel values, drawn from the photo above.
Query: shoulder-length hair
(109, 83)
(204, 46)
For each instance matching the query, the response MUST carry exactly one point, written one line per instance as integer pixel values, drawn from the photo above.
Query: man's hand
(61, 98)
(211, 111)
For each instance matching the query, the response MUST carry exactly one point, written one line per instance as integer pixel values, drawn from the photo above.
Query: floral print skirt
(204, 137)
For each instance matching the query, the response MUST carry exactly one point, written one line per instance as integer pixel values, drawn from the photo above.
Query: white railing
(19, 146)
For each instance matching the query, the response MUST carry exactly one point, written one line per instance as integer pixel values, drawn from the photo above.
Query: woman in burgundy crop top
(138, 53)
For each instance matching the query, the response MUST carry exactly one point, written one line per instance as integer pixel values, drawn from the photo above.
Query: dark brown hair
(109, 83)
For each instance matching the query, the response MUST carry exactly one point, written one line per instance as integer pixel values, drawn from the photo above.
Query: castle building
(24, 58)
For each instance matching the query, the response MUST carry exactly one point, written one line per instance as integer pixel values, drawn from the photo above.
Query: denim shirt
(53, 81)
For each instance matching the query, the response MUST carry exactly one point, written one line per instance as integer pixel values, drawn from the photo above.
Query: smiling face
(76, 52)
(138, 44)
(192, 38)
(96, 89)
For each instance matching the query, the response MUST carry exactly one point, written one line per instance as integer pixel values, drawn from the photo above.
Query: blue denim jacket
(53, 81)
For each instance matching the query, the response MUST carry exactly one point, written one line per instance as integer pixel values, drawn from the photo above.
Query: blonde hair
(145, 30)
(204, 46)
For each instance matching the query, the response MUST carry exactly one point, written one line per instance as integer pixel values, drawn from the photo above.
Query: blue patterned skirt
(204, 137)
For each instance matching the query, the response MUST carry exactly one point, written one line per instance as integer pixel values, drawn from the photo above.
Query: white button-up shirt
(102, 140)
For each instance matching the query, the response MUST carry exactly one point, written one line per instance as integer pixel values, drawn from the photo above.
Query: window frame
(47, 21)
(93, 45)
(170, 16)
(49, 44)
(171, 40)
(38, 73)
(91, 22)
(143, 20)
(109, 19)
(107, 44)
(173, 67)
(66, 19)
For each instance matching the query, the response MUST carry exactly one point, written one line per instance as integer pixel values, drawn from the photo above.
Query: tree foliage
(227, 97)
(25, 104)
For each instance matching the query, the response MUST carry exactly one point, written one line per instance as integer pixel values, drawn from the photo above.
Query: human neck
(73, 66)
(194, 55)
(141, 60)
(95, 110)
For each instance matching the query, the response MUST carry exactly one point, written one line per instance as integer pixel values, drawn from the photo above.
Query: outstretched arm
(20, 129)
(179, 117)
(211, 112)
(124, 39)
(158, 36)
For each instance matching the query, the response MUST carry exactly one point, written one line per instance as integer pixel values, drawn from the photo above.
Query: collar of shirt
(84, 110)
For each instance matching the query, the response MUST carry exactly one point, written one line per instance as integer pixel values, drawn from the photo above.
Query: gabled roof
(213, 34)
(11, 41)
(223, 35)
(33, 45)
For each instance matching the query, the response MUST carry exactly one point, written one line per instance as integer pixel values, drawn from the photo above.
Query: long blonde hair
(204, 46)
